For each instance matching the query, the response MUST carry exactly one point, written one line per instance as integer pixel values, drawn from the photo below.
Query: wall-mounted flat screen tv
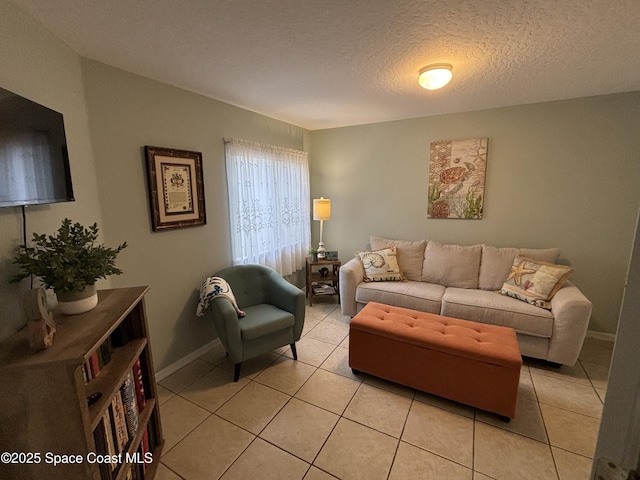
(34, 164)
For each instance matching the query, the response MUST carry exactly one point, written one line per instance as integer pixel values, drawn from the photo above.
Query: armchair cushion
(264, 319)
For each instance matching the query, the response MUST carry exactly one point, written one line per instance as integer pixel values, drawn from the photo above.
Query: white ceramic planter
(78, 302)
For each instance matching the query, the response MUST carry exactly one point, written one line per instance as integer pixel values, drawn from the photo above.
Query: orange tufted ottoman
(469, 362)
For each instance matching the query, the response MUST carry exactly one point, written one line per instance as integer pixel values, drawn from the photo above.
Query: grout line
(404, 426)
(590, 379)
(546, 430)
(171, 470)
(190, 431)
(239, 455)
(555, 463)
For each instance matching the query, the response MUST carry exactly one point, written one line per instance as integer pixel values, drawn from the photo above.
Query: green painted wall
(38, 66)
(562, 174)
(110, 115)
(127, 112)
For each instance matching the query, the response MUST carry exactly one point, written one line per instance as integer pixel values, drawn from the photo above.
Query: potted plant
(314, 254)
(70, 262)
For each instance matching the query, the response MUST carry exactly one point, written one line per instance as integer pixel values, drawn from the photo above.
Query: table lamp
(321, 212)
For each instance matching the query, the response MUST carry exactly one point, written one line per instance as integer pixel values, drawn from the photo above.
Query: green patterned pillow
(380, 265)
(535, 282)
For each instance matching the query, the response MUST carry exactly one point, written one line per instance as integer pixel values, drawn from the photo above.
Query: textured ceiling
(322, 64)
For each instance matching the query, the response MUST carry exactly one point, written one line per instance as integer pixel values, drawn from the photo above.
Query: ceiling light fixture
(435, 76)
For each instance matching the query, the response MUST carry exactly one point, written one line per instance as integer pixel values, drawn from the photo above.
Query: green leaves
(69, 260)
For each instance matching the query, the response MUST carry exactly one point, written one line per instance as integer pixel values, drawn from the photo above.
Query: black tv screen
(34, 164)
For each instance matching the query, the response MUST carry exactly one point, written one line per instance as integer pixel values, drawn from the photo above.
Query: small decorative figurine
(40, 320)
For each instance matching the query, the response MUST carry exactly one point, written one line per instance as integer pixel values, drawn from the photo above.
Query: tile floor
(314, 419)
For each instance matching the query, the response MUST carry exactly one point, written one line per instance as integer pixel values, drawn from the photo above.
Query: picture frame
(331, 255)
(176, 188)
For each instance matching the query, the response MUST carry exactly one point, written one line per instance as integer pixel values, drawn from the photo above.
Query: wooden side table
(322, 278)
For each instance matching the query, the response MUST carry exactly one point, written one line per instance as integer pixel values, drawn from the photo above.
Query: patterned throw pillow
(410, 254)
(535, 282)
(380, 265)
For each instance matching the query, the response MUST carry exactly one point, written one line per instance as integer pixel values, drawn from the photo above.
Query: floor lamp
(321, 212)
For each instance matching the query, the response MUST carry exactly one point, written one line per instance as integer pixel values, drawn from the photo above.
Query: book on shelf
(106, 349)
(121, 335)
(152, 440)
(144, 443)
(324, 289)
(128, 475)
(99, 436)
(139, 385)
(94, 364)
(119, 422)
(128, 394)
(86, 372)
(97, 360)
(109, 432)
(137, 470)
(99, 355)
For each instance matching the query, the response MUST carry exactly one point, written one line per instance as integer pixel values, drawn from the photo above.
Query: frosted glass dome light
(435, 76)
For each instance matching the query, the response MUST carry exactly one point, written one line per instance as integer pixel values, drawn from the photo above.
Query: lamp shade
(321, 208)
(435, 76)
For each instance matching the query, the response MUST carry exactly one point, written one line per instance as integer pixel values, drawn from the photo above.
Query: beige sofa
(464, 282)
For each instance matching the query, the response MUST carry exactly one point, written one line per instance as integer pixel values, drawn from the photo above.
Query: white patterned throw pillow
(535, 282)
(380, 265)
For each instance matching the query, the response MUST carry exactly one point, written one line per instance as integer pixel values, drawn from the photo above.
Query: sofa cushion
(495, 309)
(380, 265)
(451, 265)
(496, 263)
(535, 282)
(425, 297)
(410, 254)
(549, 255)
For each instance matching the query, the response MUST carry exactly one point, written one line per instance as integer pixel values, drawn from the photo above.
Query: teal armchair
(274, 310)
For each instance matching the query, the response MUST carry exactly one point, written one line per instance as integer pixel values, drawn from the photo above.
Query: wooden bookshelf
(43, 396)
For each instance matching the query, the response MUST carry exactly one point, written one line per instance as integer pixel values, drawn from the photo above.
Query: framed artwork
(176, 190)
(457, 170)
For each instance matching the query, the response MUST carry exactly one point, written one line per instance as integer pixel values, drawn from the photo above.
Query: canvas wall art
(457, 170)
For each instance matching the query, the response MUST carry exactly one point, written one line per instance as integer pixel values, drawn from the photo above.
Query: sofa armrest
(351, 274)
(572, 312)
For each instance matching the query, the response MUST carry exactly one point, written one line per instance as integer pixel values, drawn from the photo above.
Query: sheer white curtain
(268, 205)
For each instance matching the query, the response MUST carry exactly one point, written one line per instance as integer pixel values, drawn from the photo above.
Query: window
(268, 205)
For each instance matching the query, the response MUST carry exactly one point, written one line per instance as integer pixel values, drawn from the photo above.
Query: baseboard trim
(186, 360)
(175, 366)
(607, 337)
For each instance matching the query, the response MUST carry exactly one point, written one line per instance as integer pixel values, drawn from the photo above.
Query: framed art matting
(176, 190)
